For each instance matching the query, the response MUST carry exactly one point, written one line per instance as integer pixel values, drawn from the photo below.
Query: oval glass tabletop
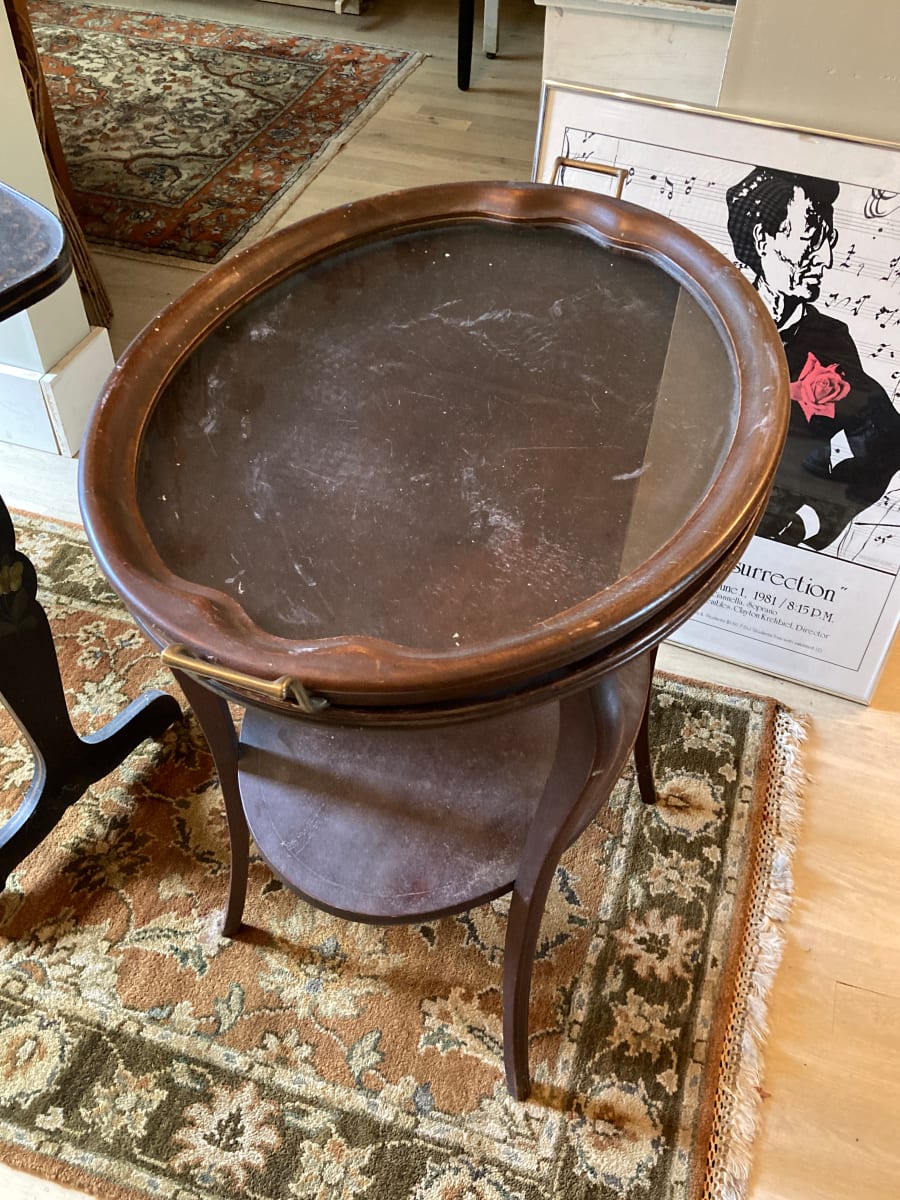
(461, 432)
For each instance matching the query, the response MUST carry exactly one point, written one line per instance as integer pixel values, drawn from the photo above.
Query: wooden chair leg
(491, 33)
(464, 44)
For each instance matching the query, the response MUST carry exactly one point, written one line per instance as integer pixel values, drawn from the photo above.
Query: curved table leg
(642, 761)
(597, 732)
(32, 689)
(218, 729)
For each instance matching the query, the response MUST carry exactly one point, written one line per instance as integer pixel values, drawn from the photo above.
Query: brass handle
(285, 687)
(582, 164)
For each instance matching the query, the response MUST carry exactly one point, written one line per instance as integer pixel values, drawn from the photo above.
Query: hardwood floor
(831, 1095)
(427, 131)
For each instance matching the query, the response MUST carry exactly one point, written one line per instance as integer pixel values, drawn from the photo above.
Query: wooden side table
(420, 484)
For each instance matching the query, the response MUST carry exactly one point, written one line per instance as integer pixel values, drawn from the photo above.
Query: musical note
(881, 204)
(849, 303)
(673, 182)
(850, 254)
(892, 272)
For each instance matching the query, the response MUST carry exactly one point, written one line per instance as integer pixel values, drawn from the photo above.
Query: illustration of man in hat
(843, 445)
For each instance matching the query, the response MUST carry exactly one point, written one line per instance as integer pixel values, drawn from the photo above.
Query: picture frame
(812, 219)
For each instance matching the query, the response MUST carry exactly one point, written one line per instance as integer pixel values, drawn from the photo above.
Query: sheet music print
(861, 289)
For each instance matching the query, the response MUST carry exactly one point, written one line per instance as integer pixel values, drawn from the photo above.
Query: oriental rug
(142, 1054)
(180, 135)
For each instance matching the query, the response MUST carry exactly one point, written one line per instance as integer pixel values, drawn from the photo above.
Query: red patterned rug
(181, 134)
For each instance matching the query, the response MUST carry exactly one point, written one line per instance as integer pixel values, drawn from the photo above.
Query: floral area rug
(142, 1054)
(181, 134)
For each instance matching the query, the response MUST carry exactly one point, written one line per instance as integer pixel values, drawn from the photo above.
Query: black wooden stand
(31, 688)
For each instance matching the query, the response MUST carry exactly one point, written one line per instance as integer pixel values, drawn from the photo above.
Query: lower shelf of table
(395, 825)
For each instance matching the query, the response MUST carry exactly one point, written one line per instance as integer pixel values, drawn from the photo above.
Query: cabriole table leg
(605, 721)
(642, 760)
(218, 729)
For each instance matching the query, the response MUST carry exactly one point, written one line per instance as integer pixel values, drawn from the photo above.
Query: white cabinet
(674, 50)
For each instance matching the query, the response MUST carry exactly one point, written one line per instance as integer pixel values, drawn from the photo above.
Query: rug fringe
(731, 1157)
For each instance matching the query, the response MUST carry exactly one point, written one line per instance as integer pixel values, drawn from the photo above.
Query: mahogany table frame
(595, 661)
(604, 716)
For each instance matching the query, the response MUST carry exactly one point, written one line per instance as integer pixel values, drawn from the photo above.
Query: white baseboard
(24, 419)
(49, 412)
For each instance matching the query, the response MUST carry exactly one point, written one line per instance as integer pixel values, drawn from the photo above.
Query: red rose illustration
(818, 388)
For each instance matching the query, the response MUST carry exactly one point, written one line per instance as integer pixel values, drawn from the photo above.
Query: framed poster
(813, 221)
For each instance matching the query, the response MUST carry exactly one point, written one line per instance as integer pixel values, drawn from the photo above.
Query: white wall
(829, 65)
(640, 48)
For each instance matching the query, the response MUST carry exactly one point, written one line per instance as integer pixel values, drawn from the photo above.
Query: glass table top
(442, 438)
